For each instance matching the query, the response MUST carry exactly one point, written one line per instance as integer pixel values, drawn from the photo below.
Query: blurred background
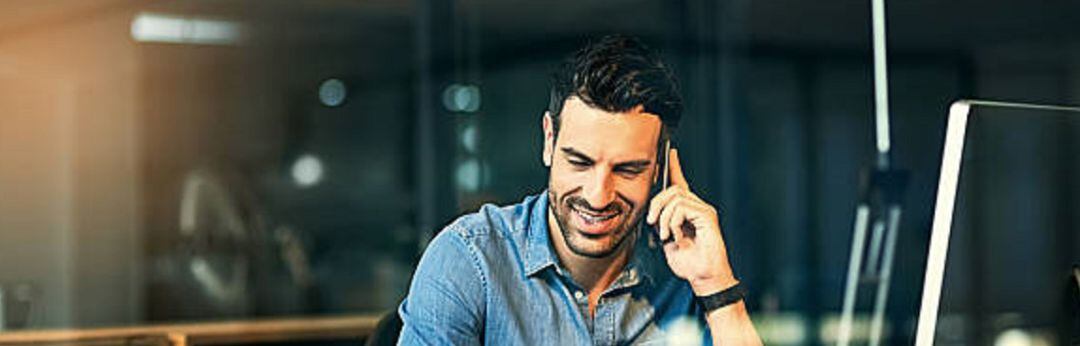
(223, 159)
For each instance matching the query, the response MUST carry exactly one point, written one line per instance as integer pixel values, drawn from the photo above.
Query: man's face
(602, 168)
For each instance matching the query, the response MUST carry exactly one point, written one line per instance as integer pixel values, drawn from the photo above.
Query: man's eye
(628, 171)
(579, 163)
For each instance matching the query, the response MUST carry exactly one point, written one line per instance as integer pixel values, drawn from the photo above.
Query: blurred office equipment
(226, 246)
(881, 192)
(20, 304)
(1004, 226)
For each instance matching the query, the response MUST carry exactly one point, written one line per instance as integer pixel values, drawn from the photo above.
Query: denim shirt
(492, 277)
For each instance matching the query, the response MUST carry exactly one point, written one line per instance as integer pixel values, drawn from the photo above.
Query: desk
(206, 333)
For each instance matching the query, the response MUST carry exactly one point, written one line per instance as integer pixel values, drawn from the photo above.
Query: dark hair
(617, 73)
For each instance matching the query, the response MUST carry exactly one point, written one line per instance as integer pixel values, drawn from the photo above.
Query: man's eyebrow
(638, 164)
(576, 154)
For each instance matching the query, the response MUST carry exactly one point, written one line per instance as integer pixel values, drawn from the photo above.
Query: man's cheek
(638, 192)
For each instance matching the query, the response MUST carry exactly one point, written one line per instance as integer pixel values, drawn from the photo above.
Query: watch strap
(728, 296)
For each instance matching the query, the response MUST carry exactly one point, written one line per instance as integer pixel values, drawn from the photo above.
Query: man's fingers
(675, 223)
(660, 201)
(675, 167)
(665, 233)
(665, 216)
(656, 213)
(656, 205)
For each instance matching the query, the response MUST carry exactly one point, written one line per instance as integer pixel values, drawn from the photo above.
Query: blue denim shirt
(492, 277)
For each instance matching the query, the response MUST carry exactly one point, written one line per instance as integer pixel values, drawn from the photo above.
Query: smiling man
(597, 258)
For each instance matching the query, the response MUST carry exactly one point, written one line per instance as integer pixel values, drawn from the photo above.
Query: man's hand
(696, 250)
(697, 254)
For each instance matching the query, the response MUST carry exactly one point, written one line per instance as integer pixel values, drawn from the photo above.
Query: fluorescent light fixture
(469, 138)
(332, 92)
(783, 328)
(151, 27)
(462, 98)
(683, 331)
(468, 175)
(307, 170)
(860, 329)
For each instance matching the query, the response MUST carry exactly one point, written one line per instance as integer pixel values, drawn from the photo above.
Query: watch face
(332, 92)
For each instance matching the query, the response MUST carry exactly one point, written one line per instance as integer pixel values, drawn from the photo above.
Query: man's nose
(600, 192)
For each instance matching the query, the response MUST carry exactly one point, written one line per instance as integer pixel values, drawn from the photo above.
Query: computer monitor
(1006, 229)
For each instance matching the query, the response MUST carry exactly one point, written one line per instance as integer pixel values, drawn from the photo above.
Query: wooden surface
(206, 333)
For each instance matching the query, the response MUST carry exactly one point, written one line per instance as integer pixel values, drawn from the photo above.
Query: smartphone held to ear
(666, 172)
(665, 181)
(672, 174)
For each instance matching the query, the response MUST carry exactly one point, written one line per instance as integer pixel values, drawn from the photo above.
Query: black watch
(717, 300)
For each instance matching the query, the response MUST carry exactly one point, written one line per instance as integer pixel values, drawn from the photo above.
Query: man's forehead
(578, 111)
(593, 130)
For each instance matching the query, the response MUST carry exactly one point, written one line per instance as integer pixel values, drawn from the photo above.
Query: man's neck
(593, 274)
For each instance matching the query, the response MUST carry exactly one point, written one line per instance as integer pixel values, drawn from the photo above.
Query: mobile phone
(666, 173)
(665, 181)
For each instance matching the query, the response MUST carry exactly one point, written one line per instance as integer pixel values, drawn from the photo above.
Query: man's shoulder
(492, 237)
(493, 221)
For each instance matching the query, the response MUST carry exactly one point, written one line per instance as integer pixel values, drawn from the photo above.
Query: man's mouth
(593, 223)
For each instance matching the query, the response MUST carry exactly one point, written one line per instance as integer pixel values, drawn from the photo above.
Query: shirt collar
(538, 251)
(648, 260)
(539, 254)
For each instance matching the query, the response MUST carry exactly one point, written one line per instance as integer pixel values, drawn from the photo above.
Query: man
(575, 264)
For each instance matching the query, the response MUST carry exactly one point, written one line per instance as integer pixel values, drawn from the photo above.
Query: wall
(67, 165)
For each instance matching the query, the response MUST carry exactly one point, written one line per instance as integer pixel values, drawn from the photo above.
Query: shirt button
(579, 295)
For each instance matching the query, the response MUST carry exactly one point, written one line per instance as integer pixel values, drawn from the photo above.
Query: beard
(593, 245)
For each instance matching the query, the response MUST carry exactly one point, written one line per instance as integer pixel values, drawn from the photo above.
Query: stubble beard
(561, 207)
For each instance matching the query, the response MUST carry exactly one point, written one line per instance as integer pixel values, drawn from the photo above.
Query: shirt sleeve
(445, 304)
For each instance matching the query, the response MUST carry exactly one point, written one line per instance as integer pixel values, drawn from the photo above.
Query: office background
(205, 160)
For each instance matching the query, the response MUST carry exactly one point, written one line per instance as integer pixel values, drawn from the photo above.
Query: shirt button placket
(603, 330)
(582, 302)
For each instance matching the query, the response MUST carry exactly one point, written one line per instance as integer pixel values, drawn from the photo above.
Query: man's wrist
(722, 299)
(715, 285)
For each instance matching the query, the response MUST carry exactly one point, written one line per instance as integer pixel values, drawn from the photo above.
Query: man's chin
(593, 245)
(592, 253)
(595, 235)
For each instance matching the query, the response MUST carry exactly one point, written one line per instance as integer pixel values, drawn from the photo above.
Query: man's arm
(694, 246)
(731, 325)
(445, 305)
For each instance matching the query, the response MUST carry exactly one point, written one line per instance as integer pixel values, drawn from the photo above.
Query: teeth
(594, 218)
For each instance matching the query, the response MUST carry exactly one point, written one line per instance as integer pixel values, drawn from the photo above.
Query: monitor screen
(1006, 233)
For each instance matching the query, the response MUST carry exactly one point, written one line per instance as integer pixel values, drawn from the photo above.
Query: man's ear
(549, 139)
